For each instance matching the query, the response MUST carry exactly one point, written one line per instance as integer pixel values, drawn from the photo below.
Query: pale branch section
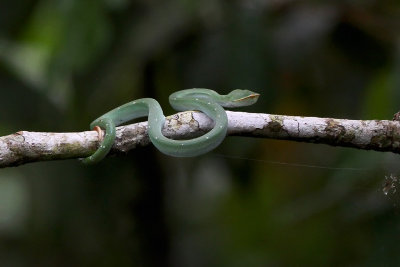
(381, 135)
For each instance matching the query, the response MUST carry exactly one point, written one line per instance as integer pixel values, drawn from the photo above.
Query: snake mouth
(254, 95)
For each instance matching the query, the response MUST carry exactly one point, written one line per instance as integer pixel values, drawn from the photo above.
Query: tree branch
(381, 135)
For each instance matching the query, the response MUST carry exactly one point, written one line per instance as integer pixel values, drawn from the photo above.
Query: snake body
(205, 100)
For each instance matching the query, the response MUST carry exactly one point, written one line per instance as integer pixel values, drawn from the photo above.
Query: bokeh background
(65, 62)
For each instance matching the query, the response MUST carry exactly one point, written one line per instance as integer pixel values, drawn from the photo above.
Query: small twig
(381, 135)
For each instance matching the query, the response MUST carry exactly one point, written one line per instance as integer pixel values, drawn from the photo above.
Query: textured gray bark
(381, 135)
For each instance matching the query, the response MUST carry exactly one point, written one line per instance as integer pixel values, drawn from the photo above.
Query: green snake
(205, 100)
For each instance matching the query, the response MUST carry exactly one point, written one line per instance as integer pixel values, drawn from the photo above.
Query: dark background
(64, 63)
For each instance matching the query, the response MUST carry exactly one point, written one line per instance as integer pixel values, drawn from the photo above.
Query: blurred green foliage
(64, 63)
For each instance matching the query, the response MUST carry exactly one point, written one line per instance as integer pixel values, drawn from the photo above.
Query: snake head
(242, 97)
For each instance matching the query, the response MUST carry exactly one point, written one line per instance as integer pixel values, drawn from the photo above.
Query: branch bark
(380, 135)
